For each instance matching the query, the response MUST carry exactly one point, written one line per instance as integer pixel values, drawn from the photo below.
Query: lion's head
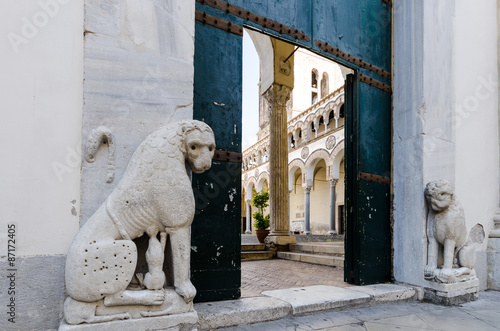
(439, 195)
(199, 144)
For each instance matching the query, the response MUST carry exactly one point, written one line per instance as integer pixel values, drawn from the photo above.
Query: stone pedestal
(179, 322)
(279, 243)
(451, 294)
(493, 263)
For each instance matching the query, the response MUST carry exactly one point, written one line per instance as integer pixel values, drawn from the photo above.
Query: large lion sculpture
(153, 197)
(450, 252)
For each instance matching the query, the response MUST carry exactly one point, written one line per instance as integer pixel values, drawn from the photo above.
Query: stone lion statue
(153, 197)
(447, 231)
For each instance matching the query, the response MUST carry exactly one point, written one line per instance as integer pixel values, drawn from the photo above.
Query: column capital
(277, 94)
(307, 189)
(333, 182)
(249, 201)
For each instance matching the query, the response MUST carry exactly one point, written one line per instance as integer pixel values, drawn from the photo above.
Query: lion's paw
(446, 276)
(186, 290)
(429, 272)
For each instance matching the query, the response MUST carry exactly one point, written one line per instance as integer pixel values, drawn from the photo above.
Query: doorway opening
(315, 131)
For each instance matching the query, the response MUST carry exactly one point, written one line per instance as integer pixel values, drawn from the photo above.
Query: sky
(251, 75)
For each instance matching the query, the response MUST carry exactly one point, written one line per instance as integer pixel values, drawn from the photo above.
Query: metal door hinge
(227, 156)
(374, 178)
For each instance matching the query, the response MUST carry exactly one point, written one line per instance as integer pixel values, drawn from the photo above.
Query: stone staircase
(329, 254)
(253, 252)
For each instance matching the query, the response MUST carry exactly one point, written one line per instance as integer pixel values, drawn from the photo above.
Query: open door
(215, 237)
(368, 162)
(356, 34)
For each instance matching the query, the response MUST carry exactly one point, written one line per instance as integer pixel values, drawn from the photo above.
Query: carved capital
(307, 189)
(277, 95)
(333, 182)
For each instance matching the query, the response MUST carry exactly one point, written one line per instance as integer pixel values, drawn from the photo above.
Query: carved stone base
(493, 263)
(279, 243)
(281, 240)
(452, 294)
(179, 322)
(96, 313)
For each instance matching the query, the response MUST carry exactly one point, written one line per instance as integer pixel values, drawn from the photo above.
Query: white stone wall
(305, 61)
(445, 119)
(41, 91)
(476, 86)
(138, 77)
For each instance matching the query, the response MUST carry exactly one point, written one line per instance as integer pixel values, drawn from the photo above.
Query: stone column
(333, 184)
(249, 214)
(289, 212)
(277, 96)
(307, 191)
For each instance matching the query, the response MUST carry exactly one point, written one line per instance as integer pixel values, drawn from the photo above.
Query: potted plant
(261, 222)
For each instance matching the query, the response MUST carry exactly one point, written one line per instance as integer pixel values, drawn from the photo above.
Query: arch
(336, 157)
(264, 176)
(249, 185)
(293, 166)
(324, 85)
(264, 48)
(312, 160)
(314, 78)
(314, 86)
(291, 141)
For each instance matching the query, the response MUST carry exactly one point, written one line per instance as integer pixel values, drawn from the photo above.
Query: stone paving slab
(278, 304)
(483, 314)
(242, 311)
(386, 292)
(320, 297)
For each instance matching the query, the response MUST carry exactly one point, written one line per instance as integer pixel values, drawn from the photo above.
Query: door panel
(215, 237)
(368, 235)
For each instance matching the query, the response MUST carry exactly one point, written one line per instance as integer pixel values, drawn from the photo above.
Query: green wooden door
(215, 237)
(355, 33)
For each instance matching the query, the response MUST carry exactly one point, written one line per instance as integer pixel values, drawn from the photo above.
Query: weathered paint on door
(360, 28)
(216, 239)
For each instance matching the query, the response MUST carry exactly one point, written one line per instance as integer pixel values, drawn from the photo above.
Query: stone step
(336, 249)
(282, 303)
(252, 247)
(256, 255)
(328, 260)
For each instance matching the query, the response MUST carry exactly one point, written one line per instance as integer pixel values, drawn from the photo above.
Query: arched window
(314, 78)
(314, 86)
(341, 116)
(324, 85)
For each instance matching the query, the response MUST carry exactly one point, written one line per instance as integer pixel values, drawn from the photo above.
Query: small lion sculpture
(153, 197)
(446, 230)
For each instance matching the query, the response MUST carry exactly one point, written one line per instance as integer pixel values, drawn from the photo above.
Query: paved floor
(483, 315)
(276, 274)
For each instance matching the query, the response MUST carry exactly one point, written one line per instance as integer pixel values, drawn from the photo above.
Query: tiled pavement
(276, 274)
(483, 315)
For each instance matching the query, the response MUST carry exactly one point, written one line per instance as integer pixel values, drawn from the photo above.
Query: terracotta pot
(261, 235)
